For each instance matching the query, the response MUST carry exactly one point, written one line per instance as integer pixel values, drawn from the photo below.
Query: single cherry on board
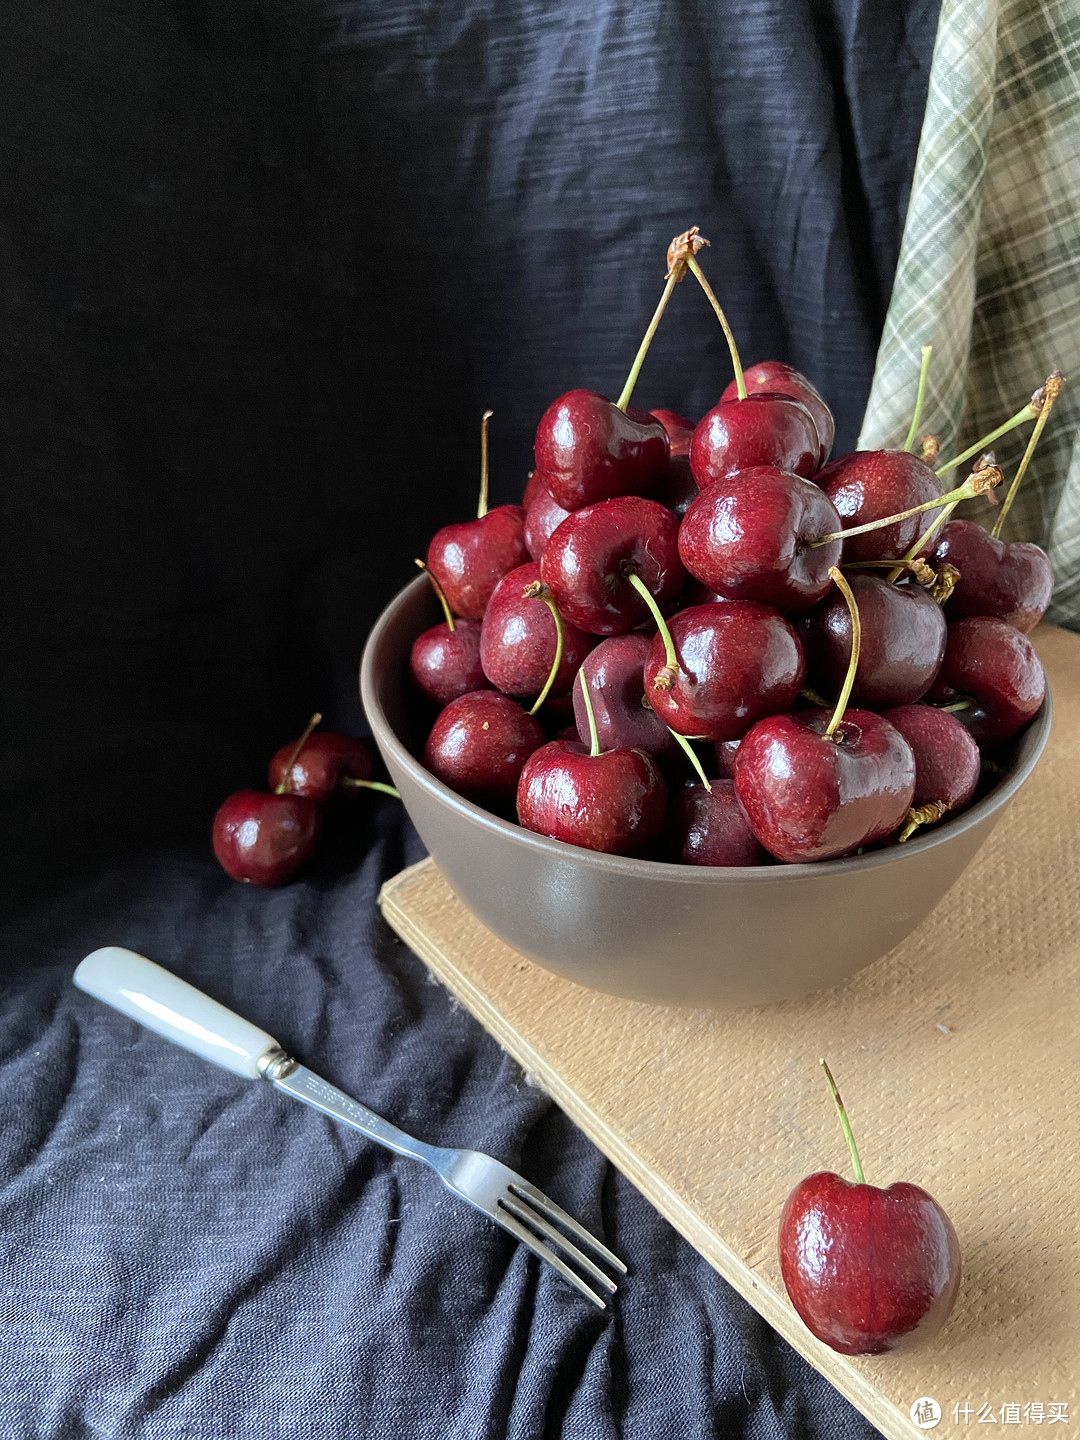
(1010, 580)
(469, 558)
(614, 801)
(868, 1270)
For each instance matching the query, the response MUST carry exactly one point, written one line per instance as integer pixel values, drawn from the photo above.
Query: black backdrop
(262, 264)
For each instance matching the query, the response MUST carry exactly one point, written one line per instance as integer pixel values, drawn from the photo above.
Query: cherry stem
(482, 507)
(1052, 389)
(985, 462)
(348, 783)
(956, 707)
(283, 783)
(693, 757)
(927, 814)
(670, 658)
(441, 593)
(920, 396)
(845, 1124)
(677, 272)
(853, 664)
(594, 739)
(970, 490)
(736, 363)
(549, 601)
(1029, 412)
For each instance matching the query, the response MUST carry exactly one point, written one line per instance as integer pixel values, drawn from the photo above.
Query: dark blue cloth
(262, 265)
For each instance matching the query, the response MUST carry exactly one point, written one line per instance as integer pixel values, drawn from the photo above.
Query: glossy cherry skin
(678, 490)
(777, 378)
(947, 760)
(479, 744)
(1010, 580)
(760, 430)
(709, 828)
(518, 639)
(542, 519)
(615, 801)
(868, 1270)
(738, 661)
(724, 752)
(903, 641)
(445, 663)
(263, 838)
(870, 484)
(994, 665)
(807, 797)
(615, 675)
(469, 559)
(589, 450)
(317, 771)
(535, 485)
(679, 430)
(586, 561)
(748, 538)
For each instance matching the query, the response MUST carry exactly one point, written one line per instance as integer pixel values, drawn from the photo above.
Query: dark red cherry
(479, 744)
(615, 675)
(996, 668)
(724, 752)
(738, 661)
(589, 450)
(679, 430)
(1010, 580)
(588, 559)
(776, 378)
(542, 518)
(469, 558)
(518, 639)
(749, 538)
(709, 828)
(947, 760)
(871, 484)
(317, 771)
(903, 640)
(445, 663)
(264, 838)
(535, 485)
(678, 489)
(760, 430)
(615, 802)
(808, 796)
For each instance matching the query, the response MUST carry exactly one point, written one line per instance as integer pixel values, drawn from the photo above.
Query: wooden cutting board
(957, 1056)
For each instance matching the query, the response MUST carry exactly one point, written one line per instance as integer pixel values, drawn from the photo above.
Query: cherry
(323, 767)
(603, 562)
(903, 640)
(869, 485)
(535, 485)
(588, 449)
(816, 786)
(751, 538)
(614, 675)
(724, 752)
(678, 489)
(990, 678)
(776, 378)
(868, 1270)
(445, 661)
(543, 517)
(479, 744)
(762, 429)
(678, 429)
(1012, 581)
(947, 762)
(469, 558)
(518, 638)
(263, 838)
(706, 826)
(714, 669)
(613, 800)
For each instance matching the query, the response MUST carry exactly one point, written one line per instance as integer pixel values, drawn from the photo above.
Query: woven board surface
(957, 1055)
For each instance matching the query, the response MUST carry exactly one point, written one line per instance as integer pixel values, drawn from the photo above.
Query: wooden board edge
(893, 1422)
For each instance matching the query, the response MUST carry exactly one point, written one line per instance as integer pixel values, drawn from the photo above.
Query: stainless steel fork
(170, 1006)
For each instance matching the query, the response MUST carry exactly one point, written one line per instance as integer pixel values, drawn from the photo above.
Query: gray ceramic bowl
(670, 934)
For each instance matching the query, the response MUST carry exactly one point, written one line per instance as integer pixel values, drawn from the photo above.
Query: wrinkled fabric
(263, 265)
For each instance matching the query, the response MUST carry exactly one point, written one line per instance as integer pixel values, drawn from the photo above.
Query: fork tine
(541, 1201)
(510, 1222)
(530, 1217)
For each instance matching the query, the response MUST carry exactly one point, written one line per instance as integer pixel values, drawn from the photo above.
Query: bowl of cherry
(710, 718)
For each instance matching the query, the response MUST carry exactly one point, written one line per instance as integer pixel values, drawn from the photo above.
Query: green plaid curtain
(989, 269)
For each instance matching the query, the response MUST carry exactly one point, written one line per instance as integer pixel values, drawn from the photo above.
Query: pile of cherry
(706, 644)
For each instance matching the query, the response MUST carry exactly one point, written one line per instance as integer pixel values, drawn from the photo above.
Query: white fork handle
(163, 1002)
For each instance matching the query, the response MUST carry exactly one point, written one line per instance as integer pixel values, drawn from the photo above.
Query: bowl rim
(627, 866)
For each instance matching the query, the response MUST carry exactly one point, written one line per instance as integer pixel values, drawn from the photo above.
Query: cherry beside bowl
(660, 933)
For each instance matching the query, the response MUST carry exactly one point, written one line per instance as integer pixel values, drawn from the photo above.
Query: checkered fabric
(989, 269)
